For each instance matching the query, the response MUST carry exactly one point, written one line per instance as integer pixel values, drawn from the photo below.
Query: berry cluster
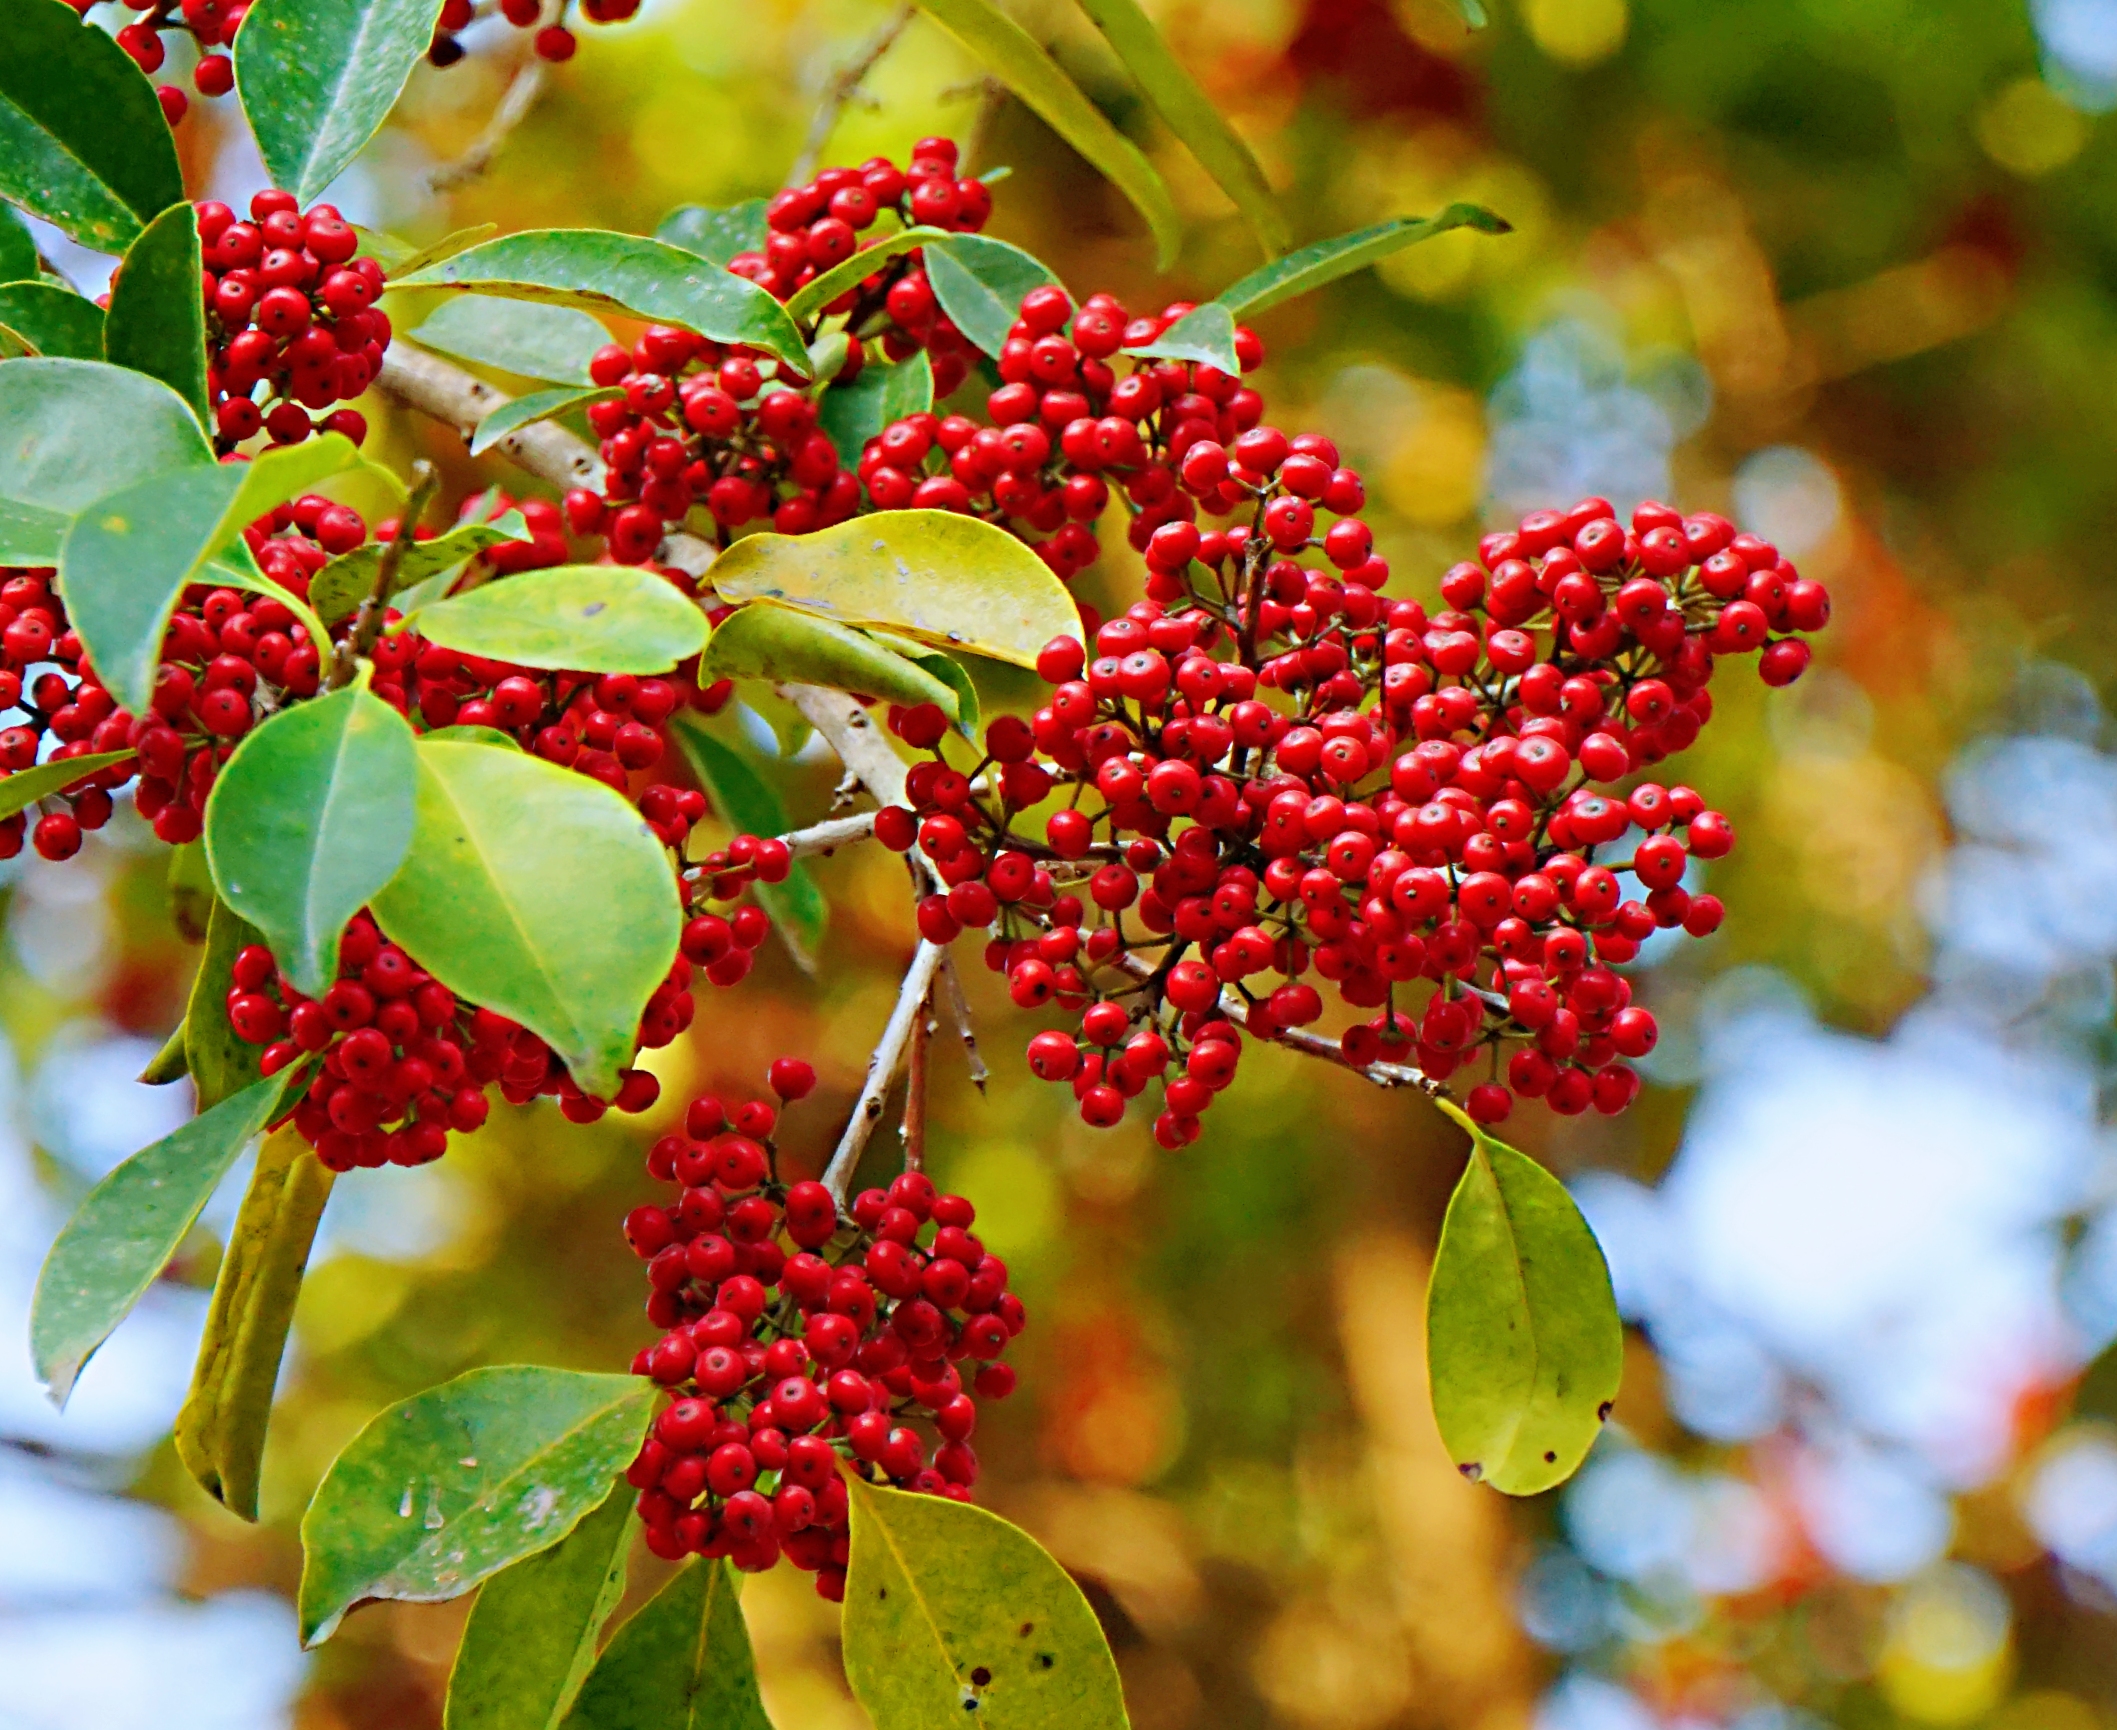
(703, 423)
(1067, 425)
(794, 1340)
(553, 40)
(43, 681)
(289, 307)
(211, 24)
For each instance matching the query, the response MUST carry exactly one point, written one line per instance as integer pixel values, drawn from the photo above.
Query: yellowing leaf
(950, 580)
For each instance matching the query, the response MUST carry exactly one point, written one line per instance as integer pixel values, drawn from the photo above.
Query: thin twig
(829, 836)
(913, 1129)
(949, 990)
(882, 1068)
(514, 107)
(844, 86)
(368, 622)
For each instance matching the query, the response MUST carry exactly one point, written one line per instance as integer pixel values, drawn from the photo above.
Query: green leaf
(946, 668)
(190, 892)
(1327, 260)
(682, 1662)
(523, 337)
(854, 413)
(157, 322)
(127, 1228)
(168, 1064)
(594, 618)
(18, 249)
(130, 554)
(25, 787)
(309, 818)
(530, 1640)
(1192, 116)
(599, 271)
(71, 430)
(950, 1611)
(768, 641)
(53, 320)
(443, 1490)
(83, 143)
(716, 235)
(317, 79)
(980, 283)
(337, 590)
(751, 806)
(493, 900)
(1012, 55)
(1206, 333)
(511, 417)
(847, 273)
(397, 257)
(475, 735)
(220, 1432)
(1523, 1342)
(949, 580)
(220, 1064)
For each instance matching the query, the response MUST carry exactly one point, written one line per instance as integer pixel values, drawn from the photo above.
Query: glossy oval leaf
(157, 322)
(220, 1430)
(53, 320)
(219, 1064)
(25, 787)
(494, 900)
(443, 1490)
(1206, 333)
(1523, 1342)
(511, 417)
(336, 591)
(317, 79)
(601, 271)
(980, 283)
(309, 818)
(524, 337)
(128, 556)
(530, 1640)
(1193, 117)
(1327, 260)
(83, 143)
(851, 414)
(954, 1616)
(847, 273)
(1013, 56)
(748, 803)
(716, 235)
(949, 580)
(766, 641)
(126, 1229)
(18, 249)
(594, 618)
(73, 430)
(681, 1662)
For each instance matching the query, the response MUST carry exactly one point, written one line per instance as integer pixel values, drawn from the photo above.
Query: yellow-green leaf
(512, 416)
(220, 1432)
(1523, 1341)
(1012, 55)
(157, 322)
(337, 590)
(53, 320)
(539, 893)
(950, 580)
(220, 1064)
(827, 286)
(683, 1662)
(954, 1616)
(766, 641)
(1327, 260)
(1205, 333)
(24, 787)
(981, 284)
(1192, 116)
(595, 618)
(524, 337)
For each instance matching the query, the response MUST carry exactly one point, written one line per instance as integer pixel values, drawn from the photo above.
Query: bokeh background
(1843, 269)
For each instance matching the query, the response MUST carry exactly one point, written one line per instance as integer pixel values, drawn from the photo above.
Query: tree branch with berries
(845, 470)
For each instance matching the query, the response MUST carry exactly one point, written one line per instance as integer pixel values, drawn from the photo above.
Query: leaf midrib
(896, 1556)
(1521, 1286)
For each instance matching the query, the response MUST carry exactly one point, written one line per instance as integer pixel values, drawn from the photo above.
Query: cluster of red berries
(43, 680)
(553, 40)
(705, 423)
(1067, 425)
(211, 24)
(1422, 817)
(795, 1341)
(399, 1062)
(289, 307)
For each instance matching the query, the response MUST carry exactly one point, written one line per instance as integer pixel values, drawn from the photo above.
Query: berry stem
(882, 1068)
(367, 626)
(844, 85)
(514, 107)
(912, 1130)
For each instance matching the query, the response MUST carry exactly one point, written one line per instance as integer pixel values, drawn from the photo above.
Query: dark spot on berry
(1602, 1412)
(980, 1677)
(1471, 1470)
(1550, 1458)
